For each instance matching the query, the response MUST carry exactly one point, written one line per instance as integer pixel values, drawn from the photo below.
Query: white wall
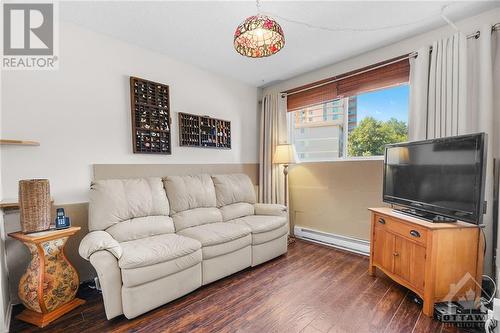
(5, 305)
(81, 113)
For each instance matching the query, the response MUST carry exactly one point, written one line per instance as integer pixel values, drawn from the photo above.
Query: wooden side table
(49, 285)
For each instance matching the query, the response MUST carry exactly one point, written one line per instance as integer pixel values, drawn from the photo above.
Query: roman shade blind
(313, 96)
(382, 75)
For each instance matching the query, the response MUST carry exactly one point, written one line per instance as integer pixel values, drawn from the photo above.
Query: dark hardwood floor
(311, 289)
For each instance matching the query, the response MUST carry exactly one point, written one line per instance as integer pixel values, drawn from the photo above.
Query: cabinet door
(409, 262)
(383, 249)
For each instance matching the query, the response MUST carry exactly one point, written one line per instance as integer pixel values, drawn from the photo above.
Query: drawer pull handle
(395, 254)
(415, 233)
(381, 221)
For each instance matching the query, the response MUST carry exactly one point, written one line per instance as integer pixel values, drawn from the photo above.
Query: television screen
(440, 176)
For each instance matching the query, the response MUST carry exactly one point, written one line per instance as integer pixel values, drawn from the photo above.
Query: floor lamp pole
(285, 172)
(291, 237)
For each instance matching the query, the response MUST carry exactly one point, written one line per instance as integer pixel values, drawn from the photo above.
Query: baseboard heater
(351, 244)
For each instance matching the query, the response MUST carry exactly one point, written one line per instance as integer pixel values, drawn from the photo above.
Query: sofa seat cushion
(219, 238)
(216, 233)
(136, 276)
(264, 237)
(261, 223)
(213, 251)
(264, 228)
(156, 249)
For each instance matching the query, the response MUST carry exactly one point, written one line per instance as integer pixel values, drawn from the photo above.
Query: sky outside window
(384, 104)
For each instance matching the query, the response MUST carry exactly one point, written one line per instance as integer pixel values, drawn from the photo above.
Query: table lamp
(285, 154)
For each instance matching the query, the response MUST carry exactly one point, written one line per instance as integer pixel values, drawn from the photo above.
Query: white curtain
(456, 97)
(271, 189)
(481, 117)
(419, 92)
(440, 83)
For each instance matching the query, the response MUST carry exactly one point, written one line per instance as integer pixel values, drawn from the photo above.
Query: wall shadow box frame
(151, 122)
(204, 132)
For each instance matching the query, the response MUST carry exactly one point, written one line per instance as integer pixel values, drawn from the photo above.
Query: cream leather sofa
(153, 240)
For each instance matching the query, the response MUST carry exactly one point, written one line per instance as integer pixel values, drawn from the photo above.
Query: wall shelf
(9, 204)
(19, 142)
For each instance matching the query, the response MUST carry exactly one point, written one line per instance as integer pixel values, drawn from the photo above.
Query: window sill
(350, 159)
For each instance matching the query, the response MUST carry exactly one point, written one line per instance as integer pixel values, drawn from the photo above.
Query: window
(372, 111)
(318, 137)
(356, 126)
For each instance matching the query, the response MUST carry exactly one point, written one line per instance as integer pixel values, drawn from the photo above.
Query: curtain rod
(476, 35)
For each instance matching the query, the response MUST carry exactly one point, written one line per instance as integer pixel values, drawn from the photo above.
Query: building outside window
(351, 127)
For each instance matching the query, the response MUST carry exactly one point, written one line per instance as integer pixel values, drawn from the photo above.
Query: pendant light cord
(439, 13)
(257, 4)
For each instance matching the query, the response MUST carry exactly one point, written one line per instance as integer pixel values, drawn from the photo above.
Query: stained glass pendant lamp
(258, 36)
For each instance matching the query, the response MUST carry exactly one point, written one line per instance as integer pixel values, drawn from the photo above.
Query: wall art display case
(204, 132)
(150, 106)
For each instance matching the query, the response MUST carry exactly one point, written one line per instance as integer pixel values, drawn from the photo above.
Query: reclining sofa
(153, 240)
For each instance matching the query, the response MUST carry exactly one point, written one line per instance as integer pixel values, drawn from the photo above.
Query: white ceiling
(201, 33)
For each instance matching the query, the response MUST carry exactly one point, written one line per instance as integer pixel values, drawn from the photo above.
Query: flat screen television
(439, 179)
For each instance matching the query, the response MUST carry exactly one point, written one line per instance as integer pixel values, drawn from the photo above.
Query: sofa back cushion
(113, 201)
(233, 188)
(236, 210)
(195, 217)
(189, 192)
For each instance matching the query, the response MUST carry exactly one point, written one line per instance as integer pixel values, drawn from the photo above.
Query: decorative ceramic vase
(34, 205)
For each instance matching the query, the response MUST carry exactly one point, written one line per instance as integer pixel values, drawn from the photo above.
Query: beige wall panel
(334, 196)
(107, 171)
(79, 217)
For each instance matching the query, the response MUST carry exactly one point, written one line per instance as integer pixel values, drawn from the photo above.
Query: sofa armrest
(99, 241)
(110, 279)
(270, 209)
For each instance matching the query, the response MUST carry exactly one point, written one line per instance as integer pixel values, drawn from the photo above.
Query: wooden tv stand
(438, 261)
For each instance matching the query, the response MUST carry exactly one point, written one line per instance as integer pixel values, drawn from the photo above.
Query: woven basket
(34, 205)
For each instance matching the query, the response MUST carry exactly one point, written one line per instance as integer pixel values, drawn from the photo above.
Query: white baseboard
(351, 244)
(8, 314)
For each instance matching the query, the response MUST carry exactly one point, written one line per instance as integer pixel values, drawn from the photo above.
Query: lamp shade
(285, 154)
(258, 36)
